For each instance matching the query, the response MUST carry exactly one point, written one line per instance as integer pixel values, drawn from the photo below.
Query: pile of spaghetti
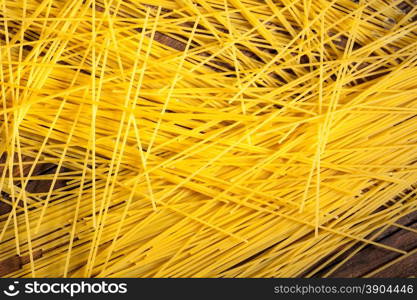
(204, 138)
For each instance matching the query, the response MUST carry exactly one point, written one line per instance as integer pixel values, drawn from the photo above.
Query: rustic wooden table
(403, 237)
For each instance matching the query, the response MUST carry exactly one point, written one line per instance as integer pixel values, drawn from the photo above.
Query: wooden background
(401, 236)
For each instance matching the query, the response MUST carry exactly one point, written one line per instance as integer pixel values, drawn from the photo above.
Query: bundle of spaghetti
(204, 138)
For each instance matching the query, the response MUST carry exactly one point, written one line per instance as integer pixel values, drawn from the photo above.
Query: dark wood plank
(13, 264)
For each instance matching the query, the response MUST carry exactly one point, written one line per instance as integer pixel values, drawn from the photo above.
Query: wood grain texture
(359, 265)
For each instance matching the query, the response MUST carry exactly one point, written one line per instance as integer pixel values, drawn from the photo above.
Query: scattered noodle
(204, 138)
